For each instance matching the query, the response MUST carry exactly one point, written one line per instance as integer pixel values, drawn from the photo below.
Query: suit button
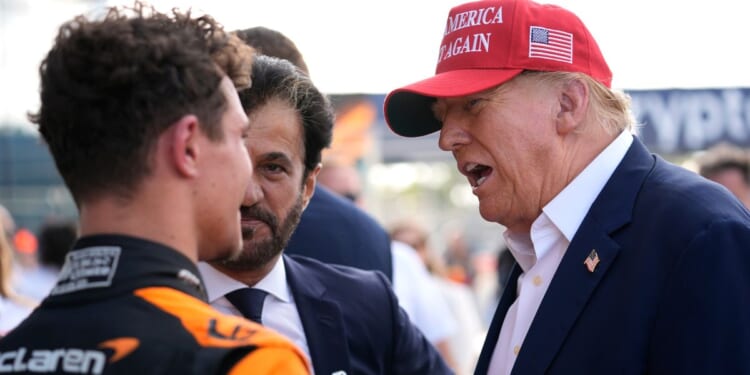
(516, 349)
(537, 280)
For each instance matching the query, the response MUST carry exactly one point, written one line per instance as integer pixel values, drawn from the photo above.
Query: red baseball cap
(485, 44)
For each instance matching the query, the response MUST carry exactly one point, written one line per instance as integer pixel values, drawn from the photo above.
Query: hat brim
(408, 110)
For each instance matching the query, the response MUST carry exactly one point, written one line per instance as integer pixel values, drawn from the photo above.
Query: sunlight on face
(227, 174)
(276, 148)
(504, 142)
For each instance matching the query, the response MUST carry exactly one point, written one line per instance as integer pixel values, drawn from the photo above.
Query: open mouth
(477, 174)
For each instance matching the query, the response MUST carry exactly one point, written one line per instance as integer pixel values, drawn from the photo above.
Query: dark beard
(257, 253)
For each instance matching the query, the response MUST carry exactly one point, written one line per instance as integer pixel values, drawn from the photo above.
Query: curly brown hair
(110, 87)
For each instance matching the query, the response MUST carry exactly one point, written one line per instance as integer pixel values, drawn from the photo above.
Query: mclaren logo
(67, 360)
(121, 347)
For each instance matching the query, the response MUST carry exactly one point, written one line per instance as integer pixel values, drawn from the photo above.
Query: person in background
(458, 257)
(22, 258)
(332, 229)
(347, 320)
(26, 250)
(464, 341)
(13, 307)
(729, 166)
(55, 239)
(140, 112)
(627, 263)
(273, 43)
(418, 293)
(7, 222)
(343, 179)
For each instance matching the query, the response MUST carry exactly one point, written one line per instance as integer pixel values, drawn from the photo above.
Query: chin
(231, 250)
(236, 251)
(488, 214)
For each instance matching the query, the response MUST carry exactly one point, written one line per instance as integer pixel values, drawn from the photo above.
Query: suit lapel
(509, 295)
(566, 297)
(573, 284)
(321, 320)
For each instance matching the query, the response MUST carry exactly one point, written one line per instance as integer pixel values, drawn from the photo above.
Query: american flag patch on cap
(550, 44)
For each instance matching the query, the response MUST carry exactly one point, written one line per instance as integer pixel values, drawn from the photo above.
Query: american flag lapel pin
(592, 260)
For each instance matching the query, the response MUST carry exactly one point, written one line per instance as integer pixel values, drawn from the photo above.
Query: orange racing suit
(124, 305)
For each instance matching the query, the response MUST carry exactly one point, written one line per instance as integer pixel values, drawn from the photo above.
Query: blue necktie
(249, 302)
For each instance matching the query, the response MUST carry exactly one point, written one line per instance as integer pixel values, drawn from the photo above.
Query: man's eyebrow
(277, 156)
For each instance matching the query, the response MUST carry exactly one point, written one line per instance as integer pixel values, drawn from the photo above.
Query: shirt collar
(568, 209)
(106, 264)
(219, 284)
(565, 213)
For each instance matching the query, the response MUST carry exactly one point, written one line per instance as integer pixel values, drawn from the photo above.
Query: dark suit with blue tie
(671, 294)
(353, 323)
(334, 230)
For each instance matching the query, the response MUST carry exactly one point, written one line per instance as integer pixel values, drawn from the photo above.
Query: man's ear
(573, 105)
(185, 149)
(308, 187)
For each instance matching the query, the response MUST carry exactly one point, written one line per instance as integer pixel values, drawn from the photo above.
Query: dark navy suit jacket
(334, 230)
(671, 294)
(353, 323)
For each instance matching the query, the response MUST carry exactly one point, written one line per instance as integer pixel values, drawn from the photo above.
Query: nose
(253, 193)
(452, 135)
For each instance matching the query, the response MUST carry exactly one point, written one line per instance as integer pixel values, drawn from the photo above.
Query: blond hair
(5, 264)
(608, 107)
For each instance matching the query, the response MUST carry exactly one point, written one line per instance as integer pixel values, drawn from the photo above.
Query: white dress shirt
(419, 294)
(279, 310)
(539, 252)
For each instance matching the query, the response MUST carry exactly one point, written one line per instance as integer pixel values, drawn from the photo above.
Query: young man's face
(227, 176)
